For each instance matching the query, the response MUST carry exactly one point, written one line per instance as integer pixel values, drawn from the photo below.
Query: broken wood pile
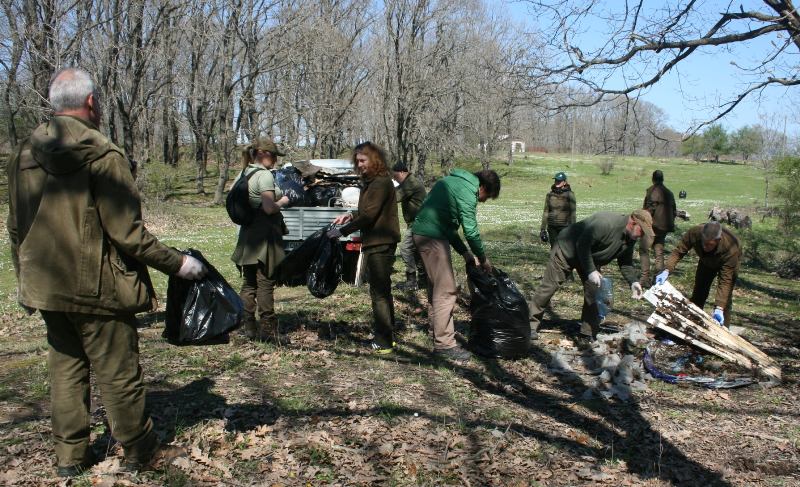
(678, 316)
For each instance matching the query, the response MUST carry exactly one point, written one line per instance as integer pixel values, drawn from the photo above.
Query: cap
(400, 167)
(266, 144)
(645, 220)
(560, 176)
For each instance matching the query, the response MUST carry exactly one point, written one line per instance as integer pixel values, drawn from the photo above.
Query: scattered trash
(678, 376)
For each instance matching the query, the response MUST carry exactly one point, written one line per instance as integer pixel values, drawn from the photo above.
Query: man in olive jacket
(451, 203)
(80, 251)
(719, 255)
(410, 194)
(660, 203)
(586, 246)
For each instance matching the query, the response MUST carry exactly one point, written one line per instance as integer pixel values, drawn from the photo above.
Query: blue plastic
(604, 297)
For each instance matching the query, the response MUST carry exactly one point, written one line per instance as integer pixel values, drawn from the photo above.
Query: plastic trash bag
(290, 181)
(325, 272)
(604, 297)
(201, 312)
(317, 263)
(322, 195)
(500, 318)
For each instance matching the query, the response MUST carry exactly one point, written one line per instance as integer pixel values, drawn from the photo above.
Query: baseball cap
(266, 144)
(400, 166)
(645, 220)
(560, 176)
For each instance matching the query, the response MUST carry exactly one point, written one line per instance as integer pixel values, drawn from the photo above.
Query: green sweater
(596, 241)
(452, 203)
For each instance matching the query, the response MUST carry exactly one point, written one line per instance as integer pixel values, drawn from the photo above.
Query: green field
(324, 411)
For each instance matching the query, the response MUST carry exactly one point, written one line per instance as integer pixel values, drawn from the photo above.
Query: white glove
(636, 290)
(718, 315)
(595, 278)
(191, 269)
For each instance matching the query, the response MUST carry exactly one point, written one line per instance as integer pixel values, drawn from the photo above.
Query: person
(451, 203)
(377, 220)
(410, 194)
(259, 246)
(586, 246)
(660, 203)
(719, 255)
(559, 209)
(80, 250)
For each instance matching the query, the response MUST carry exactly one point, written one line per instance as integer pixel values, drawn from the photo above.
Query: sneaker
(163, 456)
(381, 349)
(456, 353)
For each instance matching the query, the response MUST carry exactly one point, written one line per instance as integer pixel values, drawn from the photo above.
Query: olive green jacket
(596, 241)
(410, 194)
(559, 207)
(377, 213)
(724, 259)
(660, 203)
(78, 241)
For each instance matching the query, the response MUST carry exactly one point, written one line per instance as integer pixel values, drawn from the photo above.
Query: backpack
(237, 203)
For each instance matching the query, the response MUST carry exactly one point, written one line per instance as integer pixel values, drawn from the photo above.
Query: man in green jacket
(452, 203)
(410, 194)
(80, 251)
(586, 246)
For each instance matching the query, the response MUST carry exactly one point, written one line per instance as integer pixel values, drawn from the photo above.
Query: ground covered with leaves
(325, 411)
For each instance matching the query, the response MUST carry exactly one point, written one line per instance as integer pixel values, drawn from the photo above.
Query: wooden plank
(680, 317)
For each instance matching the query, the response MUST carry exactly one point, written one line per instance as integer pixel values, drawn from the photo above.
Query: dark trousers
(555, 273)
(648, 273)
(109, 345)
(703, 277)
(258, 292)
(552, 234)
(380, 260)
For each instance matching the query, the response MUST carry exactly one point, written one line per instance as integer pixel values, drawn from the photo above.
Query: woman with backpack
(380, 232)
(259, 247)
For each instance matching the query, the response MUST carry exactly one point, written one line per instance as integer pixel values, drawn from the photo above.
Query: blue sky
(690, 93)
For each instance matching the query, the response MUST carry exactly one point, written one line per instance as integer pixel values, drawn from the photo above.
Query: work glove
(662, 277)
(543, 236)
(191, 269)
(718, 316)
(595, 278)
(636, 290)
(334, 233)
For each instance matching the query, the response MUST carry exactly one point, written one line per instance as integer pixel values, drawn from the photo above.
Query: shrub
(158, 180)
(606, 165)
(787, 189)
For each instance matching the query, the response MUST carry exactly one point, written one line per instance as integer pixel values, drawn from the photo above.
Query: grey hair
(711, 231)
(69, 89)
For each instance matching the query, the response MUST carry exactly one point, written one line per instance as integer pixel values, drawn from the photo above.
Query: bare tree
(641, 44)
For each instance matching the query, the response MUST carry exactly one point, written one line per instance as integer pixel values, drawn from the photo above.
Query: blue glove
(718, 316)
(662, 277)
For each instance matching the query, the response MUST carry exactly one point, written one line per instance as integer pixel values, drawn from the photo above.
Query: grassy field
(324, 411)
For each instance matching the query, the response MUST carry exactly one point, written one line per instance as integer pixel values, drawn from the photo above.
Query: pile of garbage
(310, 185)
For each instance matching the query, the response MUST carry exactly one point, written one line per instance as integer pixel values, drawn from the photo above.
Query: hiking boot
(408, 286)
(271, 333)
(163, 456)
(250, 327)
(381, 349)
(456, 354)
(75, 470)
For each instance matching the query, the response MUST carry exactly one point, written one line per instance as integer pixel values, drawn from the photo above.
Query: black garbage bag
(201, 312)
(500, 322)
(290, 181)
(326, 269)
(317, 263)
(322, 195)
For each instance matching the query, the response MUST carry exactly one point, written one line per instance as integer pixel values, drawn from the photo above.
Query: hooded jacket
(78, 241)
(452, 203)
(559, 207)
